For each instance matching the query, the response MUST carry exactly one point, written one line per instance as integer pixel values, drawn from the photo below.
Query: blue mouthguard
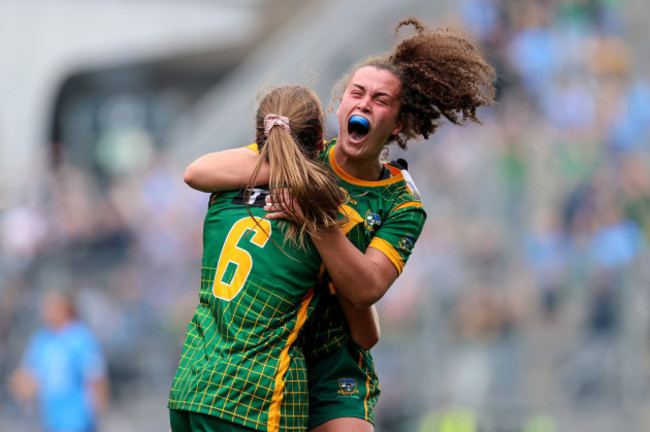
(360, 120)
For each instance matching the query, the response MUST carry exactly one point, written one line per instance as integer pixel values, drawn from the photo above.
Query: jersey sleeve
(91, 357)
(253, 147)
(397, 234)
(32, 353)
(323, 156)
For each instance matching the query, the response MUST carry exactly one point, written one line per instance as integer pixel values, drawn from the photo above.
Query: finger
(276, 215)
(282, 192)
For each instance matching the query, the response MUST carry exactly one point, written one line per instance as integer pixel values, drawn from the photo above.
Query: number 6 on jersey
(228, 283)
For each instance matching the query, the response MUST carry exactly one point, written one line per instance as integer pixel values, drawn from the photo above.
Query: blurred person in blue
(64, 368)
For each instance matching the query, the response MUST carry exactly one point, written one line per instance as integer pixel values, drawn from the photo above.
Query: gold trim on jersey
(388, 250)
(253, 147)
(367, 396)
(350, 179)
(273, 422)
(353, 217)
(407, 204)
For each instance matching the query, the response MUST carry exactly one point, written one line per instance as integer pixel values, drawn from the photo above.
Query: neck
(369, 169)
(59, 325)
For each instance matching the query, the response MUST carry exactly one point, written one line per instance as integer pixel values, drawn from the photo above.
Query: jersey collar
(397, 174)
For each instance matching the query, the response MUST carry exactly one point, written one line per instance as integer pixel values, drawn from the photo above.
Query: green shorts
(187, 421)
(342, 384)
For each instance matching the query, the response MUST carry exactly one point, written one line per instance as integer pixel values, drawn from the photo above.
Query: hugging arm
(363, 323)
(225, 170)
(362, 278)
(231, 169)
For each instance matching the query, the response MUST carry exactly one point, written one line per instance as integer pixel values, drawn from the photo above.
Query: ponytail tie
(275, 120)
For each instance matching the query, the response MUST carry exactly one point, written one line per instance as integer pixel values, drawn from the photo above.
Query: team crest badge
(372, 220)
(406, 243)
(347, 386)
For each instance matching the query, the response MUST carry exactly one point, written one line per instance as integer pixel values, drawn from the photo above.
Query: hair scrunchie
(275, 120)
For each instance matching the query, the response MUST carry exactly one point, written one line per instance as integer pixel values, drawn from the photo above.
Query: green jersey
(239, 361)
(383, 214)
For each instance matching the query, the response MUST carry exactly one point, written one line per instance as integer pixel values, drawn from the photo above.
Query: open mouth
(358, 128)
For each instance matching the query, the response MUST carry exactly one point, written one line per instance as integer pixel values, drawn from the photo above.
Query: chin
(352, 149)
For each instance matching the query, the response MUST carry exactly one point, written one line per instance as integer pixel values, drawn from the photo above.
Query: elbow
(369, 342)
(367, 294)
(365, 299)
(368, 339)
(363, 303)
(190, 177)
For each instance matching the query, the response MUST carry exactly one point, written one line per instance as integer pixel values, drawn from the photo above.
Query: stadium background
(525, 304)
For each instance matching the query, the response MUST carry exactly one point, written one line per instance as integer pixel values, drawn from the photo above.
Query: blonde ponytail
(291, 156)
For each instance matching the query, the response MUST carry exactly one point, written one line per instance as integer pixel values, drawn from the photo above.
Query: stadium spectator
(64, 369)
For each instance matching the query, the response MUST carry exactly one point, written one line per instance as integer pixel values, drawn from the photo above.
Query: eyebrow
(376, 94)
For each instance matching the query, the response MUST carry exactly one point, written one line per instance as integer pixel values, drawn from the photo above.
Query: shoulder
(81, 333)
(254, 197)
(401, 166)
(39, 338)
(254, 147)
(329, 144)
(406, 203)
(406, 198)
(323, 156)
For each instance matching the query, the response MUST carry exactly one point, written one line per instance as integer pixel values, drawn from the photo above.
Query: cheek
(344, 106)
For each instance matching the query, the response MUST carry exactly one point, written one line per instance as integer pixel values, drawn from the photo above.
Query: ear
(399, 125)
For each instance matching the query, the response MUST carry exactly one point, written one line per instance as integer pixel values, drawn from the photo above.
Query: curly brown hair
(442, 75)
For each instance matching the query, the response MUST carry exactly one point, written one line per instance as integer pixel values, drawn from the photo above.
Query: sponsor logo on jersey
(371, 220)
(255, 197)
(406, 243)
(347, 386)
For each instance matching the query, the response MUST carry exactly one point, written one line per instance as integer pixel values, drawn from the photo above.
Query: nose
(363, 105)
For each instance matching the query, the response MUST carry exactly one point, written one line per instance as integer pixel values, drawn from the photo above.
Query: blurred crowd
(526, 294)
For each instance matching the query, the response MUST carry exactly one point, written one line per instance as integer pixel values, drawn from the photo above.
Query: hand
(281, 205)
(22, 385)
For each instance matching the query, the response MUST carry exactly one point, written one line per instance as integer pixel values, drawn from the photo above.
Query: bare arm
(224, 170)
(231, 169)
(362, 278)
(363, 323)
(100, 391)
(23, 386)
